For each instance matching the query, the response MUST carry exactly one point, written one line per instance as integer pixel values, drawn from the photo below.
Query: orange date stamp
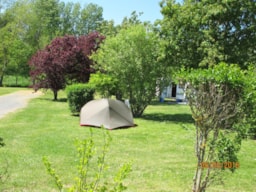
(220, 165)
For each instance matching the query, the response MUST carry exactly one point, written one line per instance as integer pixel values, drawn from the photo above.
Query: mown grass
(6, 90)
(161, 148)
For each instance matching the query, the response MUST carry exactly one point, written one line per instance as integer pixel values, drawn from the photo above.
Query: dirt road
(17, 100)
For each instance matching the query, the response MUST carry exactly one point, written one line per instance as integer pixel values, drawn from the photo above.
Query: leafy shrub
(216, 99)
(78, 95)
(83, 183)
(105, 84)
(250, 102)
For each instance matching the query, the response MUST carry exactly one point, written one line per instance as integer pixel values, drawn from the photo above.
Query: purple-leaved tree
(65, 60)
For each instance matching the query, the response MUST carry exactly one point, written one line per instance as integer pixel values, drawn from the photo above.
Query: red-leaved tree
(64, 61)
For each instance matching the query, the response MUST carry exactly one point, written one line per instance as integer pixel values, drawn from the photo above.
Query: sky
(118, 9)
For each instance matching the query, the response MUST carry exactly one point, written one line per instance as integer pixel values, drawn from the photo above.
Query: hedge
(78, 95)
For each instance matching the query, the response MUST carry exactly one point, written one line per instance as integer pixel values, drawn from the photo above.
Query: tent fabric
(106, 112)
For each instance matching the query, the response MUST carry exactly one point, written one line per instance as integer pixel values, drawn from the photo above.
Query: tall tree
(14, 52)
(90, 19)
(203, 33)
(108, 28)
(131, 57)
(5, 37)
(63, 61)
(48, 18)
(78, 20)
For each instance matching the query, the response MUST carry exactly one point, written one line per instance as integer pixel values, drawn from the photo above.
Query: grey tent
(107, 112)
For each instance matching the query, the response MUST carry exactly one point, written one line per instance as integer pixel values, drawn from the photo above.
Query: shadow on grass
(61, 100)
(157, 103)
(161, 117)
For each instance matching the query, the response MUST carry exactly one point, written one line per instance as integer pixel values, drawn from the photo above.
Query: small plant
(83, 183)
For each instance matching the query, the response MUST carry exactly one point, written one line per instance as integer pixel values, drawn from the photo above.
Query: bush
(78, 95)
(216, 99)
(105, 84)
(250, 102)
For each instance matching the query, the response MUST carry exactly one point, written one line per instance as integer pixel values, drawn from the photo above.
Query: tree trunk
(201, 140)
(119, 96)
(55, 93)
(1, 80)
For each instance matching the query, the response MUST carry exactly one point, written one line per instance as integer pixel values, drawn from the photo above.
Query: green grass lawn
(6, 90)
(161, 148)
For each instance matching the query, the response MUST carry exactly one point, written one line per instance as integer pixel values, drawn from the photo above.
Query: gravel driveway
(17, 100)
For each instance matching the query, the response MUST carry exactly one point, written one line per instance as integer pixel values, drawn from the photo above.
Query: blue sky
(118, 9)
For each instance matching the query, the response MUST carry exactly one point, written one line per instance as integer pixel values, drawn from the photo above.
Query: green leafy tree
(131, 57)
(90, 19)
(78, 20)
(216, 98)
(15, 49)
(108, 28)
(204, 33)
(47, 19)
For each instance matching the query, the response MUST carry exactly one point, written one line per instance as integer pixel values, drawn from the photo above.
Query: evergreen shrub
(78, 95)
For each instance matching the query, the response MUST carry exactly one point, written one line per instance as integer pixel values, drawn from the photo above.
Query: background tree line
(29, 25)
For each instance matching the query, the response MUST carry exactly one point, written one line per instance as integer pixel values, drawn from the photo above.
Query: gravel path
(17, 100)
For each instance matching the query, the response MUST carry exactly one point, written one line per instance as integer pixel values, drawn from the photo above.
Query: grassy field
(6, 90)
(161, 148)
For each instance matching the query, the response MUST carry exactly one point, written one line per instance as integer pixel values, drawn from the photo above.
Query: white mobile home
(174, 91)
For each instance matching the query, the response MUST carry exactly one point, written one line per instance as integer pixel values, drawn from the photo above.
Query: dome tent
(106, 112)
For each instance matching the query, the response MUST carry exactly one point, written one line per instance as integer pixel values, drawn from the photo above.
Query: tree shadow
(61, 100)
(176, 118)
(2, 144)
(157, 103)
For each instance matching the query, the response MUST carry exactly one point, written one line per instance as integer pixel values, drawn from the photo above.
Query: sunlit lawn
(161, 148)
(6, 90)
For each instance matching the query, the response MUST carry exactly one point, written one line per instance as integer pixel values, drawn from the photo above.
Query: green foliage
(216, 98)
(16, 81)
(104, 84)
(78, 95)
(52, 172)
(83, 183)
(204, 33)
(132, 57)
(250, 102)
(227, 149)
(219, 74)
